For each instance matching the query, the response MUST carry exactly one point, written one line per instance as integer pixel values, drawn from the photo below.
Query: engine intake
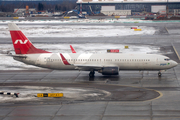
(109, 71)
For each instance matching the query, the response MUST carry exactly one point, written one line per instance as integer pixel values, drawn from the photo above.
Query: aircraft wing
(87, 66)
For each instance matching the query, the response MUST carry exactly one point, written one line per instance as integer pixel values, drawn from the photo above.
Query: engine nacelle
(109, 71)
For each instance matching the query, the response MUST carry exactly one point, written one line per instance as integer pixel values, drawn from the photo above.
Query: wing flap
(88, 66)
(91, 66)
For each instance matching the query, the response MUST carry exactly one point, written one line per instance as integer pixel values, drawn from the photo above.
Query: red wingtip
(64, 60)
(72, 49)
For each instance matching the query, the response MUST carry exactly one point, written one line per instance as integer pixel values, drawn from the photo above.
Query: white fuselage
(123, 61)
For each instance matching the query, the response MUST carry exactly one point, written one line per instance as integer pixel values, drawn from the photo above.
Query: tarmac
(132, 95)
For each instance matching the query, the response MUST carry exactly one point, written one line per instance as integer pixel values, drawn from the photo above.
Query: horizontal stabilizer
(19, 56)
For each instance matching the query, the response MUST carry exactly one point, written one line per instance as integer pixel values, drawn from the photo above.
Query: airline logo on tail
(20, 41)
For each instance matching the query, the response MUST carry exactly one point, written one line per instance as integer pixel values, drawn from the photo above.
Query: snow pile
(78, 31)
(62, 21)
(29, 93)
(59, 30)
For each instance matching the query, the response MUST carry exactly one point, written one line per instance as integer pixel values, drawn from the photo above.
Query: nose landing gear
(159, 74)
(91, 74)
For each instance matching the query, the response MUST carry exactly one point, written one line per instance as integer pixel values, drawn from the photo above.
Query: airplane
(105, 63)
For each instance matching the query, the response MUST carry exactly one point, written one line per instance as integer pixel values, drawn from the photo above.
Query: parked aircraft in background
(105, 63)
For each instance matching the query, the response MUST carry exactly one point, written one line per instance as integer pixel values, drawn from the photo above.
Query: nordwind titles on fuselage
(105, 63)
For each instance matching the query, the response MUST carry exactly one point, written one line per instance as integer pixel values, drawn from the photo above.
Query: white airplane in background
(105, 63)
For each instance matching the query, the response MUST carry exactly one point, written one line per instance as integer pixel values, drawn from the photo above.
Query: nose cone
(174, 63)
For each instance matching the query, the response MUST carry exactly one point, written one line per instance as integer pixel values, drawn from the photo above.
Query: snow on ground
(59, 30)
(78, 31)
(86, 21)
(30, 93)
(8, 63)
(65, 21)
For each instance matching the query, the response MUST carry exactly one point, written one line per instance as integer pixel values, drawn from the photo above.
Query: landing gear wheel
(159, 74)
(91, 74)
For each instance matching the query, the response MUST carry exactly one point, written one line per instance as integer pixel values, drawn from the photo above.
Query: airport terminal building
(96, 6)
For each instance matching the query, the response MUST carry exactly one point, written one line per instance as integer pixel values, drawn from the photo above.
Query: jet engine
(109, 71)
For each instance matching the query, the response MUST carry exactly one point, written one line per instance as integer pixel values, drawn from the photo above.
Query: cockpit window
(166, 59)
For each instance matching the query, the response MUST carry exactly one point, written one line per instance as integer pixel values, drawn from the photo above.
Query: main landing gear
(159, 74)
(91, 74)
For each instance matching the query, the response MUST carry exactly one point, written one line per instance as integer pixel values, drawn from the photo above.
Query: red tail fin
(21, 43)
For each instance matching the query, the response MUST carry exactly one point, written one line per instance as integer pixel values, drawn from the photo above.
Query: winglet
(22, 45)
(64, 60)
(72, 49)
